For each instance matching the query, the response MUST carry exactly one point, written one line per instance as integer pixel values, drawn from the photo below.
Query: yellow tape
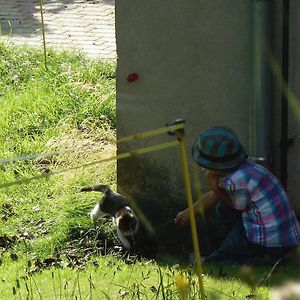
(187, 183)
(36, 155)
(118, 157)
(292, 100)
(150, 133)
(137, 136)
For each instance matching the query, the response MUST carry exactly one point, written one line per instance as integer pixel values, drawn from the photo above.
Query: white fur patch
(96, 213)
(133, 215)
(123, 239)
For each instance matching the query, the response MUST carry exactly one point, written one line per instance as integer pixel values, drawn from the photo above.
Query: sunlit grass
(113, 277)
(49, 248)
(69, 106)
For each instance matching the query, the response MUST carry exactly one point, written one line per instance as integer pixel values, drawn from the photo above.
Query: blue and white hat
(218, 148)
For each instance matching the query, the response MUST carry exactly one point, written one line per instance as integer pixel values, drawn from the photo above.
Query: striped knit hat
(218, 148)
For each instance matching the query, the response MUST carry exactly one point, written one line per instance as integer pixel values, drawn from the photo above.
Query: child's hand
(182, 217)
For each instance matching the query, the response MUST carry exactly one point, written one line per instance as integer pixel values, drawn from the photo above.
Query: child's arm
(207, 200)
(213, 181)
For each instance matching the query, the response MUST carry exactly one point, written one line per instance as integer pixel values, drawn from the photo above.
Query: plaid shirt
(268, 217)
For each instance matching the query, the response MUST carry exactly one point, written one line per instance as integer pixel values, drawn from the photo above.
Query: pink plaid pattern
(268, 217)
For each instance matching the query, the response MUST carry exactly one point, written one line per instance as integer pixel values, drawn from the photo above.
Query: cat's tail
(96, 188)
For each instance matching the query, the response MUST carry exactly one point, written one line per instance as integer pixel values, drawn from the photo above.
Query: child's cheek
(220, 183)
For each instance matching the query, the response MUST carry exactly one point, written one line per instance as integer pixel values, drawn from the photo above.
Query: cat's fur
(116, 206)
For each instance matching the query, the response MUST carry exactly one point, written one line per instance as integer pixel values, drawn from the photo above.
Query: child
(251, 202)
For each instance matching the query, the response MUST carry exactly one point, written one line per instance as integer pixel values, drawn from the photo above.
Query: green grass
(48, 248)
(69, 106)
(35, 104)
(111, 277)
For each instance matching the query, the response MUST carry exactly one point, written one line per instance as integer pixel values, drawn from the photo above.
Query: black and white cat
(115, 205)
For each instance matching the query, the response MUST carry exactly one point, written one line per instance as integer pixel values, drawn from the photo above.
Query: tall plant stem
(44, 36)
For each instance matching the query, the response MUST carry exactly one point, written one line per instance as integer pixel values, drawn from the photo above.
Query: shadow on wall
(23, 18)
(139, 180)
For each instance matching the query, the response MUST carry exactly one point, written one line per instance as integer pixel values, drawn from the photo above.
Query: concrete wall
(294, 119)
(194, 62)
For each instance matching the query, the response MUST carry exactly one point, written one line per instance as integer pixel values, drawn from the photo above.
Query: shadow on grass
(268, 275)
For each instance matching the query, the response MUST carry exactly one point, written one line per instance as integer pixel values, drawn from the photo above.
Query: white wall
(194, 61)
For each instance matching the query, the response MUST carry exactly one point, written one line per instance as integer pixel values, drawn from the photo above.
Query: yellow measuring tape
(150, 133)
(180, 141)
(117, 157)
(137, 136)
(188, 190)
(9, 160)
